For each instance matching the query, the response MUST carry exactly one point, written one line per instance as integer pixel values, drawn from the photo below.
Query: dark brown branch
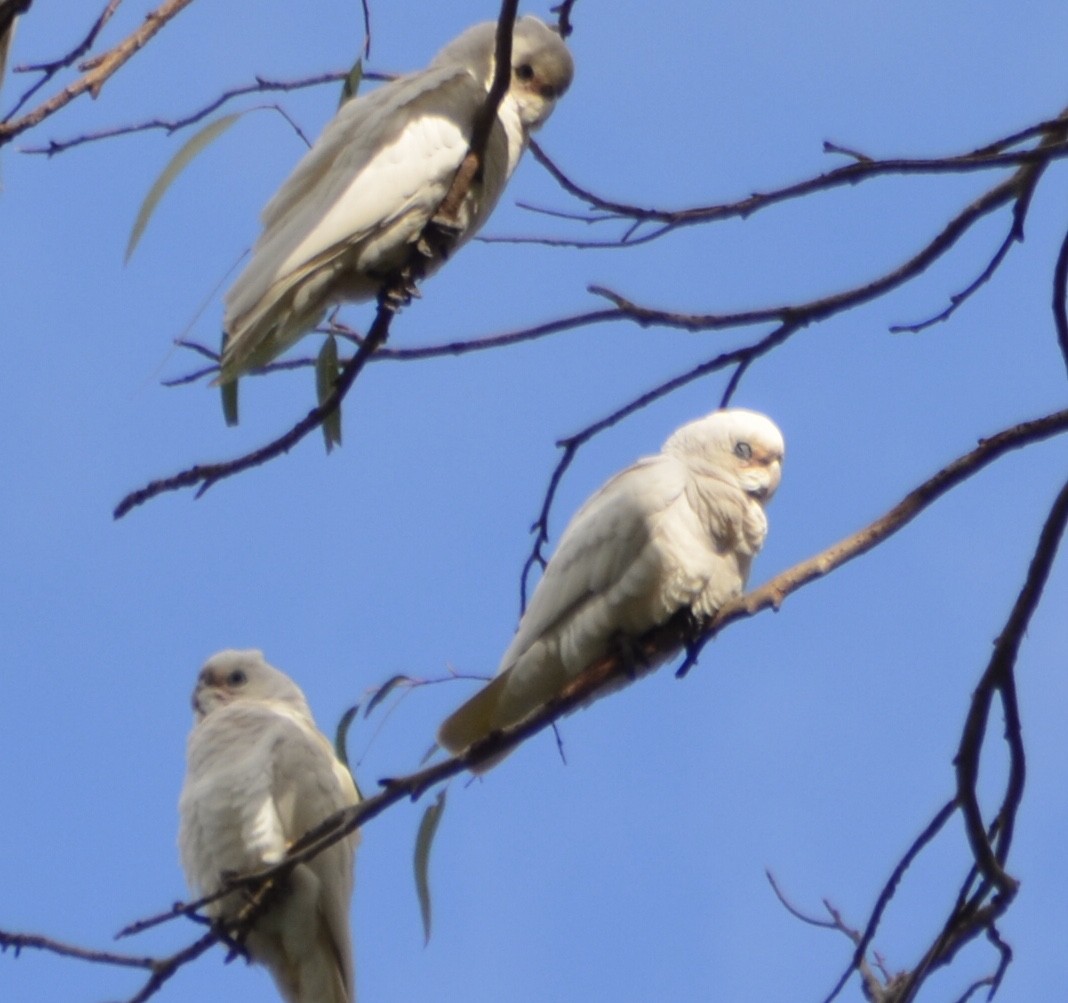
(823, 924)
(957, 299)
(976, 912)
(791, 318)
(999, 678)
(29, 941)
(1060, 298)
(166, 967)
(51, 68)
(101, 69)
(170, 126)
(453, 348)
(740, 357)
(839, 177)
(932, 829)
(563, 17)
(654, 646)
(208, 474)
(395, 289)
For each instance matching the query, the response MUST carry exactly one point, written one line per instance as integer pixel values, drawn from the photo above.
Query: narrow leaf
(178, 163)
(384, 691)
(429, 754)
(326, 372)
(341, 742)
(351, 84)
(228, 395)
(424, 839)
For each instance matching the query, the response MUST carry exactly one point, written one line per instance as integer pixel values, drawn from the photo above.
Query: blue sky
(816, 742)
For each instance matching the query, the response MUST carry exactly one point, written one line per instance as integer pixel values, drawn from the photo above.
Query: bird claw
(631, 656)
(400, 294)
(439, 237)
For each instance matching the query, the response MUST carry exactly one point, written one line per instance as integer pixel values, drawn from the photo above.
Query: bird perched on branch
(349, 214)
(675, 531)
(259, 776)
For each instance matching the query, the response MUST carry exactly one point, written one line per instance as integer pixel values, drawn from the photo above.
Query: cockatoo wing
(258, 780)
(365, 189)
(603, 550)
(603, 578)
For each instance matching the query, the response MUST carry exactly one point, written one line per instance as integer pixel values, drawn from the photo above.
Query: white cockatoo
(674, 531)
(349, 214)
(259, 775)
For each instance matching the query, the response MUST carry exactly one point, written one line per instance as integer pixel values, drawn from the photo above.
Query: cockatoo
(675, 531)
(350, 212)
(260, 775)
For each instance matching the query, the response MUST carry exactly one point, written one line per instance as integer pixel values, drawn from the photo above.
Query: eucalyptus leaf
(424, 839)
(341, 742)
(351, 84)
(384, 691)
(228, 395)
(178, 163)
(429, 754)
(326, 373)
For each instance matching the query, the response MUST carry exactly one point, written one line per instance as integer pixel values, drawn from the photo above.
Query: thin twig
(393, 290)
(262, 85)
(932, 829)
(1060, 298)
(839, 177)
(205, 475)
(49, 69)
(29, 941)
(792, 318)
(101, 70)
(654, 646)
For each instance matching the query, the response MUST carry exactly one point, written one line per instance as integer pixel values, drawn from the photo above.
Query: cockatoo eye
(524, 71)
(743, 451)
(237, 678)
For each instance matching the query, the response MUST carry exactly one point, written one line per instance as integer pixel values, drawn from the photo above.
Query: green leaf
(178, 163)
(228, 392)
(326, 372)
(351, 84)
(341, 744)
(228, 395)
(384, 691)
(424, 839)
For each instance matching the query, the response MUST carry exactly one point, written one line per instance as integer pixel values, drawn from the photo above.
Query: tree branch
(99, 70)
(394, 290)
(655, 646)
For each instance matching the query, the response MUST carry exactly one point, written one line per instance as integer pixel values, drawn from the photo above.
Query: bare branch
(99, 70)
(394, 290)
(50, 69)
(1060, 298)
(942, 816)
(262, 85)
(978, 911)
(29, 941)
(850, 174)
(654, 646)
(208, 474)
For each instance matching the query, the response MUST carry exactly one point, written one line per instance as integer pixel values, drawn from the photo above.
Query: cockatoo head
(542, 67)
(243, 675)
(542, 70)
(742, 447)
